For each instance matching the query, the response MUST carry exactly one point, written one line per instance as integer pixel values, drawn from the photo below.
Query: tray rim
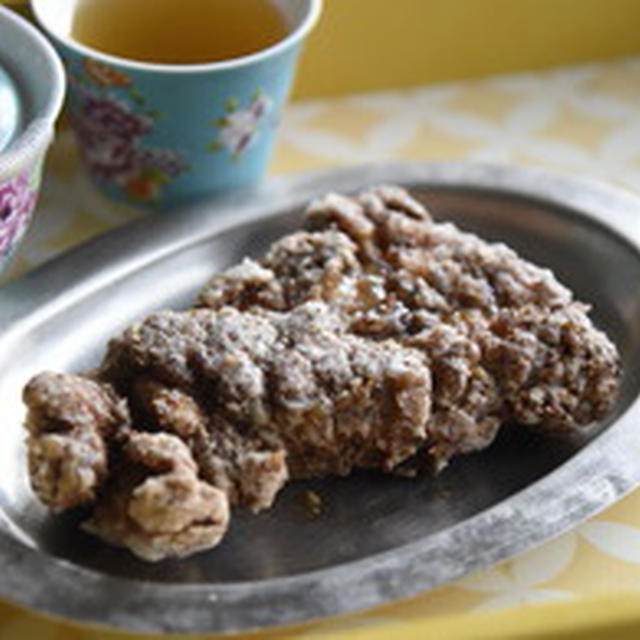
(243, 606)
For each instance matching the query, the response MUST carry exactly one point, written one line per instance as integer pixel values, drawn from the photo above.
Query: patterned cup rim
(42, 9)
(39, 129)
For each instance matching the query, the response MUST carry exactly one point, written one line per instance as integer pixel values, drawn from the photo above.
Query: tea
(178, 31)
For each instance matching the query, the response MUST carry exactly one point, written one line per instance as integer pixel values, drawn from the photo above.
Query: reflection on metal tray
(379, 537)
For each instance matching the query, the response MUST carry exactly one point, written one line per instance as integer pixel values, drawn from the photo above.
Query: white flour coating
(375, 338)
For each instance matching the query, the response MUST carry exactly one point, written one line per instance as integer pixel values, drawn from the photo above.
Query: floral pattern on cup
(111, 120)
(17, 201)
(240, 128)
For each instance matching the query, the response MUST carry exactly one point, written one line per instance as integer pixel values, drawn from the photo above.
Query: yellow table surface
(366, 45)
(582, 120)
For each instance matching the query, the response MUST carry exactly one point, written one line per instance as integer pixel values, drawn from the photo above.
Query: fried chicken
(70, 420)
(223, 407)
(155, 504)
(376, 338)
(504, 340)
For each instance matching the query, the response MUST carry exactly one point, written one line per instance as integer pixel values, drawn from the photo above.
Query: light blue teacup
(161, 135)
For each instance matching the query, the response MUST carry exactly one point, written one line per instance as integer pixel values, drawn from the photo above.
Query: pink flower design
(112, 159)
(17, 200)
(107, 117)
(111, 133)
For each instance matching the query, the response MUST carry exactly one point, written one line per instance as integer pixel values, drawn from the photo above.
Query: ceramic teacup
(31, 94)
(161, 135)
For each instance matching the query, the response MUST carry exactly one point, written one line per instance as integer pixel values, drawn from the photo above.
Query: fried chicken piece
(70, 422)
(155, 504)
(555, 369)
(293, 382)
(375, 338)
(503, 338)
(227, 404)
(378, 252)
(144, 487)
(300, 267)
(249, 473)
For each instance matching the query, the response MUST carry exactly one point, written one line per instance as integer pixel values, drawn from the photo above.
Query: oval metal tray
(379, 537)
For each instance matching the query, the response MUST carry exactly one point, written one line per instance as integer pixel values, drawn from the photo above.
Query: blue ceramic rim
(36, 135)
(314, 9)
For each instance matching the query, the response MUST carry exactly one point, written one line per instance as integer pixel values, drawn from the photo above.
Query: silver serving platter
(380, 537)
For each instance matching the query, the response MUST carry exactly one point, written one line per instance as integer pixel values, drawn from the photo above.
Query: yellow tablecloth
(583, 120)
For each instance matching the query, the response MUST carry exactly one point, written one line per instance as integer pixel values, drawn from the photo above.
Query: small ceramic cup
(161, 135)
(32, 87)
